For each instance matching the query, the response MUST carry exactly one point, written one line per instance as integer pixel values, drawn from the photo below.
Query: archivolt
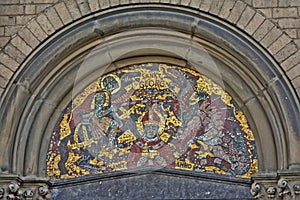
(46, 84)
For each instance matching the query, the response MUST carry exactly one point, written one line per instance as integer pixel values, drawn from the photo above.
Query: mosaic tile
(152, 115)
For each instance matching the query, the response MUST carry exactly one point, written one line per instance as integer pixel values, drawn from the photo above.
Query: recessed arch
(40, 99)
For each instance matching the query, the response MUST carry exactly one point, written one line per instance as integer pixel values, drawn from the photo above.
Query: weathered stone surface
(285, 186)
(293, 72)
(152, 186)
(291, 61)
(284, 12)
(226, 8)
(266, 12)
(237, 10)
(286, 52)
(94, 5)
(3, 41)
(7, 20)
(266, 3)
(6, 2)
(83, 7)
(20, 44)
(11, 9)
(104, 4)
(11, 30)
(45, 24)
(271, 37)
(185, 2)
(73, 9)
(12, 187)
(36, 29)
(53, 18)
(8, 61)
(205, 5)
(29, 38)
(13, 52)
(254, 23)
(5, 72)
(114, 2)
(246, 17)
(296, 82)
(3, 82)
(279, 43)
(38, 1)
(287, 3)
(289, 23)
(30, 9)
(21, 20)
(216, 6)
(264, 28)
(194, 3)
(63, 12)
(259, 29)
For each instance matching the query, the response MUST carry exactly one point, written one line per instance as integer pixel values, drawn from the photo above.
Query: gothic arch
(43, 86)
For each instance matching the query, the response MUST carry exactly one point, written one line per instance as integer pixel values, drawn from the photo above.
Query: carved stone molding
(16, 188)
(283, 186)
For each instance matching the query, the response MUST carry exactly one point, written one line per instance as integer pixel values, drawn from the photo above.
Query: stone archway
(44, 87)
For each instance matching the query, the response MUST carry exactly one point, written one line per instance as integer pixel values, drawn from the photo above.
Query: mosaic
(152, 115)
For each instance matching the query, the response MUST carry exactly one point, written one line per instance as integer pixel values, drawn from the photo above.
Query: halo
(116, 78)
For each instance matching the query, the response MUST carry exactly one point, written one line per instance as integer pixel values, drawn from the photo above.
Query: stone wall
(25, 24)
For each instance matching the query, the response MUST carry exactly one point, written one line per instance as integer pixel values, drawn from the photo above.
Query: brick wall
(16, 13)
(24, 24)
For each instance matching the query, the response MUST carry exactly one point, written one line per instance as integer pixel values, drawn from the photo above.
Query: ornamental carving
(268, 189)
(152, 115)
(18, 190)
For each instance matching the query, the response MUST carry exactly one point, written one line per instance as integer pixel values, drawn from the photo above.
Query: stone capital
(283, 185)
(14, 187)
